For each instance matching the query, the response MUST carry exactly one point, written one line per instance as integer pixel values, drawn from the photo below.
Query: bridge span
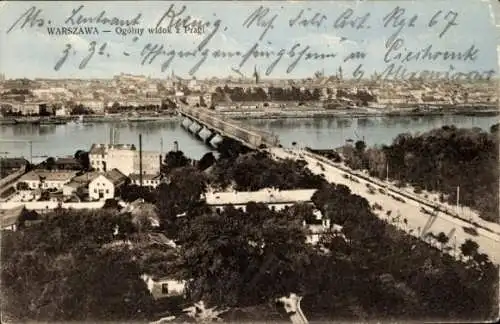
(211, 128)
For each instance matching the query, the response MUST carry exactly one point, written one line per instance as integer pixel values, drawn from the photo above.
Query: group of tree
(258, 94)
(60, 270)
(255, 171)
(440, 160)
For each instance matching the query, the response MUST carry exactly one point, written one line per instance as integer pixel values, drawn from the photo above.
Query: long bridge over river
(211, 128)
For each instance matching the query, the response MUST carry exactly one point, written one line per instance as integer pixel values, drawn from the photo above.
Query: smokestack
(140, 160)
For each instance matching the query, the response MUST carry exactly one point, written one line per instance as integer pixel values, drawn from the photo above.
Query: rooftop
(102, 148)
(136, 176)
(115, 176)
(262, 196)
(56, 175)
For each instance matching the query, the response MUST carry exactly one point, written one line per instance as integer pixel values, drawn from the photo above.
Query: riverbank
(62, 120)
(305, 114)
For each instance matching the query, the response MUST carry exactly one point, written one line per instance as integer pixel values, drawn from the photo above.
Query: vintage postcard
(249, 161)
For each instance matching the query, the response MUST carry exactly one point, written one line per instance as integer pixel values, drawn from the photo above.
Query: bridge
(211, 128)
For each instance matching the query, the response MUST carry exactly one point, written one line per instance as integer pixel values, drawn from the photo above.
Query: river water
(321, 133)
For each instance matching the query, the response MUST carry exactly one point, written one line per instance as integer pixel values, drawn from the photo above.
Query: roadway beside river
(418, 223)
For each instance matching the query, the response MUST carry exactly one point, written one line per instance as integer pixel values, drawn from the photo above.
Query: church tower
(256, 75)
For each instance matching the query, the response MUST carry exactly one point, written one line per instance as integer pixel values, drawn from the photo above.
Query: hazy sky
(32, 52)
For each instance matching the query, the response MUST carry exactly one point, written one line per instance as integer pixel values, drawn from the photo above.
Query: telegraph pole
(387, 171)
(458, 198)
(140, 160)
(31, 152)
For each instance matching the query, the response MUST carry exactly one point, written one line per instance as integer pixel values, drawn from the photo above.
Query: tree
(469, 248)
(206, 161)
(182, 193)
(173, 160)
(252, 257)
(50, 163)
(62, 270)
(83, 158)
(132, 192)
(443, 239)
(360, 146)
(21, 185)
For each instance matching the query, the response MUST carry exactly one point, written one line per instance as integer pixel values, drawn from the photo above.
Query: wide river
(62, 140)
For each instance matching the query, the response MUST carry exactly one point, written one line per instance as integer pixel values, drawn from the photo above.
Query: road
(418, 223)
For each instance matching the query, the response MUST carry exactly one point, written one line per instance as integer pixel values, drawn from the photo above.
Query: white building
(148, 180)
(97, 106)
(193, 100)
(45, 179)
(161, 288)
(278, 199)
(124, 157)
(62, 112)
(106, 185)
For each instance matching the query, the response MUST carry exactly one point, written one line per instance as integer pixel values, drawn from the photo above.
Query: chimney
(140, 160)
(176, 146)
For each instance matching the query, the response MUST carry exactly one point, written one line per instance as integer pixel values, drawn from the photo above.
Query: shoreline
(245, 115)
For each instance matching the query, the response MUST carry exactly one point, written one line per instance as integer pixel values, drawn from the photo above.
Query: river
(321, 133)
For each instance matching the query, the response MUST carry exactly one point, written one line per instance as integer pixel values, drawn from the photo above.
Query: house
(46, 179)
(68, 163)
(278, 199)
(148, 180)
(81, 181)
(106, 185)
(164, 287)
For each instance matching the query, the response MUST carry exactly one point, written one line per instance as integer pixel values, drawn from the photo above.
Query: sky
(31, 52)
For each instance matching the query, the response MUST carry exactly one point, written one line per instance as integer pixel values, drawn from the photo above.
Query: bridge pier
(216, 140)
(205, 133)
(195, 128)
(186, 122)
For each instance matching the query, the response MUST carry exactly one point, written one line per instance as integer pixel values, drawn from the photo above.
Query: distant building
(106, 185)
(63, 111)
(68, 163)
(193, 100)
(97, 106)
(45, 179)
(148, 180)
(30, 108)
(164, 287)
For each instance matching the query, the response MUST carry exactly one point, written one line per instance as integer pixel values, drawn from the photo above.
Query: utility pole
(387, 171)
(140, 160)
(31, 152)
(458, 198)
